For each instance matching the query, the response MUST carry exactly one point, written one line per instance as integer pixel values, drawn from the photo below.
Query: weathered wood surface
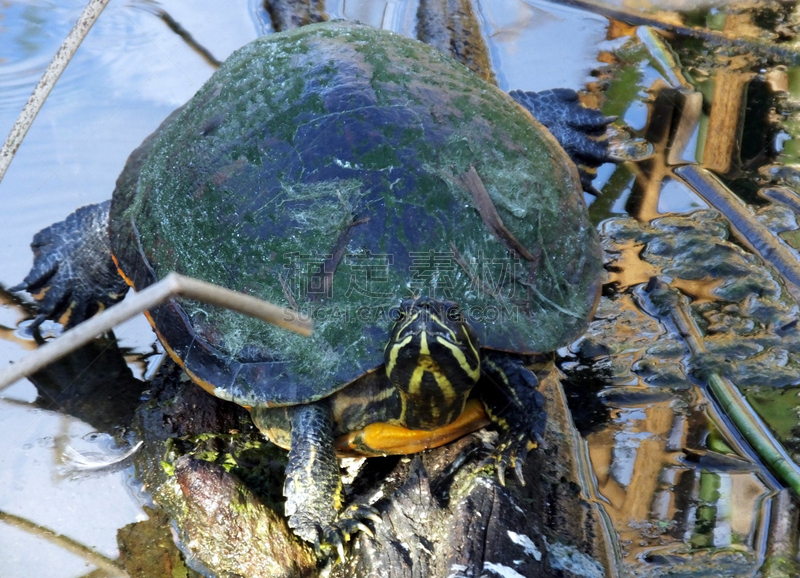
(451, 26)
(444, 513)
(287, 14)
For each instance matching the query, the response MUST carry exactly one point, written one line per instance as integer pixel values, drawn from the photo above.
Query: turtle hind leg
(313, 486)
(73, 275)
(509, 392)
(578, 129)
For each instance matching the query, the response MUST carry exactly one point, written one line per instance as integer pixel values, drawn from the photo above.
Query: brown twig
(60, 61)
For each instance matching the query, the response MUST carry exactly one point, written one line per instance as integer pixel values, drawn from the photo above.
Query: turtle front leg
(73, 275)
(313, 487)
(509, 393)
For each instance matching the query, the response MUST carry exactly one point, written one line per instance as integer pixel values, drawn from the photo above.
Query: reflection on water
(682, 491)
(659, 499)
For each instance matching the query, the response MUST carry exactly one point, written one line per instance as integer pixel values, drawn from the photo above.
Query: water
(127, 76)
(664, 484)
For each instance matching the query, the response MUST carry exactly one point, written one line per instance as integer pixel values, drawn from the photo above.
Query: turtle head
(432, 356)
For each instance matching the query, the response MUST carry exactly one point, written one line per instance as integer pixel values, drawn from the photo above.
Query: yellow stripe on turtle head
(473, 372)
(394, 351)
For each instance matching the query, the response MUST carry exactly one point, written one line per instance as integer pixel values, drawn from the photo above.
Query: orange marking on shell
(209, 387)
(122, 273)
(204, 384)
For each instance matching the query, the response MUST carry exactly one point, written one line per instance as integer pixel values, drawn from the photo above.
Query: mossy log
(444, 512)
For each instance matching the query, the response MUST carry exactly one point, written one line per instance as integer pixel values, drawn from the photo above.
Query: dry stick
(176, 27)
(105, 564)
(782, 535)
(752, 45)
(783, 196)
(662, 57)
(48, 81)
(291, 14)
(452, 27)
(173, 285)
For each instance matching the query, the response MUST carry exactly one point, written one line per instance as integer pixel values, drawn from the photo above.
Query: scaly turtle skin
(436, 233)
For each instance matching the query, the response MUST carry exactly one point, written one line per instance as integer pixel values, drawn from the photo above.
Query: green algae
(281, 180)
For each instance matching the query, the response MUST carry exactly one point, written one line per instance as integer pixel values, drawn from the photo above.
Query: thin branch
(48, 81)
(752, 45)
(176, 27)
(750, 231)
(185, 35)
(173, 285)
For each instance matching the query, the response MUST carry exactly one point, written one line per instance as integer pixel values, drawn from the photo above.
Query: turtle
(433, 230)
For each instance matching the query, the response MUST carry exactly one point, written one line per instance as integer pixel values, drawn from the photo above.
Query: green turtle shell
(337, 169)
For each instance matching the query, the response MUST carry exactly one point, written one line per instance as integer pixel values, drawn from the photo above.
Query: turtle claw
(333, 537)
(328, 539)
(17, 288)
(313, 487)
(365, 529)
(501, 473)
(511, 453)
(518, 471)
(352, 519)
(38, 320)
(514, 402)
(579, 130)
(375, 517)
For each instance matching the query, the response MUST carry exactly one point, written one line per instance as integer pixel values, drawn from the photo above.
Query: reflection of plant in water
(704, 534)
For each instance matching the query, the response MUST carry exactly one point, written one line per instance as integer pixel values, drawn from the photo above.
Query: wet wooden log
(236, 529)
(451, 26)
(288, 14)
(444, 512)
